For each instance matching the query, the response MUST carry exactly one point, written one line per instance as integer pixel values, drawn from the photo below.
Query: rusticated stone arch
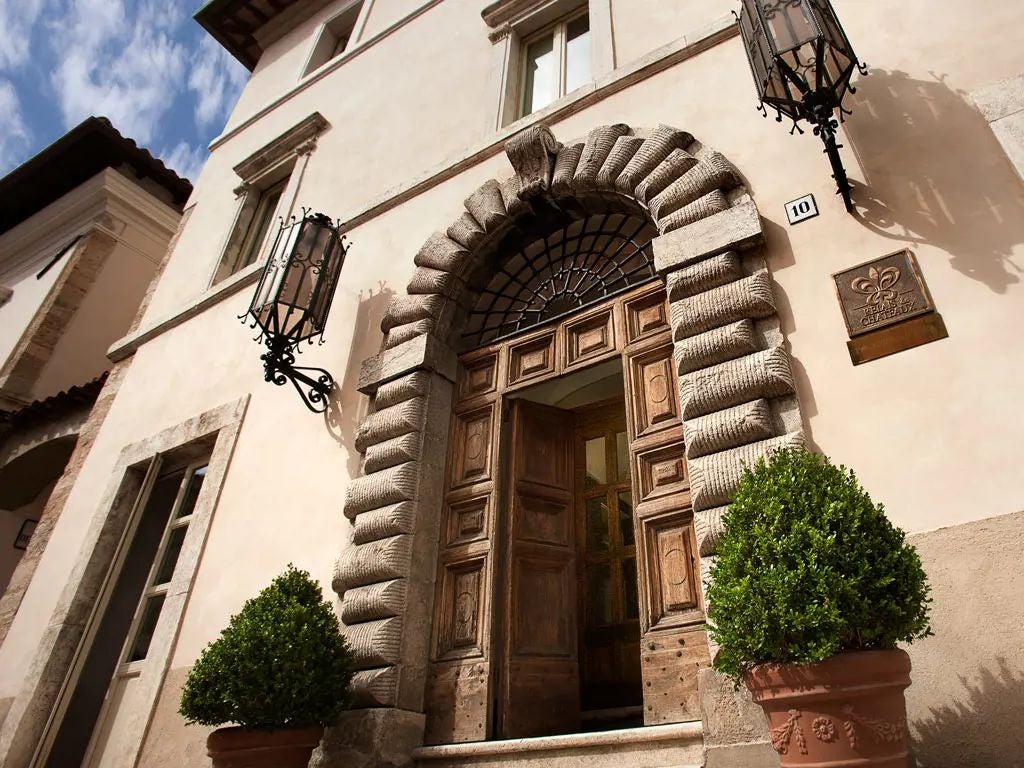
(737, 393)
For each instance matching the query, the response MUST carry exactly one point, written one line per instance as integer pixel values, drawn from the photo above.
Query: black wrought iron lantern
(293, 299)
(802, 63)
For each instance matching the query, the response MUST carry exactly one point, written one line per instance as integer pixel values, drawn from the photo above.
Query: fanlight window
(580, 264)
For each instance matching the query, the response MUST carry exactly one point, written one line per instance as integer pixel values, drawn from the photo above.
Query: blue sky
(144, 64)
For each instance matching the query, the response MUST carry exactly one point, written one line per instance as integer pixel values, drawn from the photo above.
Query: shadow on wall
(346, 406)
(983, 729)
(935, 175)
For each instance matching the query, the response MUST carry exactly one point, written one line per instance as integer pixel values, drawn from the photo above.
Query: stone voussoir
(391, 422)
(678, 163)
(383, 523)
(748, 297)
(374, 601)
(487, 206)
(713, 478)
(762, 374)
(598, 146)
(374, 643)
(389, 486)
(623, 151)
(655, 148)
(426, 280)
(711, 172)
(442, 253)
(466, 231)
(409, 309)
(381, 560)
(565, 169)
(704, 275)
(374, 687)
(713, 202)
(708, 526)
(400, 390)
(729, 428)
(392, 452)
(403, 333)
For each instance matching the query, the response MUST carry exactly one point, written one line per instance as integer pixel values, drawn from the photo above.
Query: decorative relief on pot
(782, 735)
(881, 730)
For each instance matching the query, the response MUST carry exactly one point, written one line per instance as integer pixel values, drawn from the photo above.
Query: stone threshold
(649, 734)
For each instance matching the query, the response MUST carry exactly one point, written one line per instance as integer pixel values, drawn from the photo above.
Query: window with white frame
(555, 61)
(544, 50)
(254, 224)
(336, 36)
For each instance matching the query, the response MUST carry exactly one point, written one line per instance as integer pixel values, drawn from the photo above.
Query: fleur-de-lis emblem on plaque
(877, 286)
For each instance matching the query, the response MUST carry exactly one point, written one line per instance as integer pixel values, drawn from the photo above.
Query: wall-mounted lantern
(293, 298)
(802, 63)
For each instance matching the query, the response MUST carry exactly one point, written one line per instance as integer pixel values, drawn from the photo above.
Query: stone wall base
(735, 728)
(371, 738)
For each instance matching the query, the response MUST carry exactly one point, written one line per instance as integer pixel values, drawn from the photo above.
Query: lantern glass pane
(790, 23)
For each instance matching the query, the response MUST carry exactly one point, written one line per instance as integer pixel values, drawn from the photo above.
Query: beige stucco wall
(28, 295)
(932, 432)
(966, 701)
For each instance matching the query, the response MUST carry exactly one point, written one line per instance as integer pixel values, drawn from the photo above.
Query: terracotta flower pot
(848, 710)
(238, 747)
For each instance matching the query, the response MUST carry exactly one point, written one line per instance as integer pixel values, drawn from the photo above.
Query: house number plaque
(886, 307)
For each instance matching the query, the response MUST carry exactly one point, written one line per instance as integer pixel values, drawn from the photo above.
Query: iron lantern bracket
(313, 384)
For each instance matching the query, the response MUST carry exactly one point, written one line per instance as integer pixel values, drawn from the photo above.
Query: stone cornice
(295, 139)
(508, 11)
(81, 210)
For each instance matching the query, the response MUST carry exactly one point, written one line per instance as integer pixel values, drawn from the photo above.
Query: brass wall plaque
(881, 292)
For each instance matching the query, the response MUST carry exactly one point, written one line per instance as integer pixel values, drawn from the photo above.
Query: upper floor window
(270, 179)
(260, 208)
(336, 36)
(556, 61)
(266, 207)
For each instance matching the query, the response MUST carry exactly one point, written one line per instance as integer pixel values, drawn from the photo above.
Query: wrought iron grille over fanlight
(802, 63)
(293, 299)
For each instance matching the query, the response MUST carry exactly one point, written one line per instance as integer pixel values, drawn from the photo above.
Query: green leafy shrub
(809, 567)
(281, 661)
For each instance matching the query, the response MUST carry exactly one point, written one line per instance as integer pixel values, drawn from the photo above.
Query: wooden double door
(567, 592)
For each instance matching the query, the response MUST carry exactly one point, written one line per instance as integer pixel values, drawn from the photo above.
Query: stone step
(678, 745)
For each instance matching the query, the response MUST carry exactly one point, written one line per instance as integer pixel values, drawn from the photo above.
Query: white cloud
(217, 79)
(187, 161)
(17, 18)
(13, 134)
(127, 68)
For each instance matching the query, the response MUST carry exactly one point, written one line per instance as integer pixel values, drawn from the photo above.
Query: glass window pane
(622, 455)
(629, 588)
(597, 471)
(599, 594)
(597, 524)
(790, 25)
(626, 517)
(170, 558)
(261, 222)
(147, 626)
(195, 485)
(541, 74)
(577, 53)
(164, 493)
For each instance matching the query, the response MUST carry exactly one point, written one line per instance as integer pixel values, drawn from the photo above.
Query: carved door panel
(673, 645)
(539, 678)
(458, 693)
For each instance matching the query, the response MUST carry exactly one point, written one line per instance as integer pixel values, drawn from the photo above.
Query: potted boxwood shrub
(280, 671)
(812, 590)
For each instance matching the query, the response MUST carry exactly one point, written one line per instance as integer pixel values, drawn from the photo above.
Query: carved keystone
(532, 154)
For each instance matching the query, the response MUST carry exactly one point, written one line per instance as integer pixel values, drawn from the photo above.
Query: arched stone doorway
(737, 396)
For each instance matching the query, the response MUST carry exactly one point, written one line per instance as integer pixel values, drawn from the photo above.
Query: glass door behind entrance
(610, 680)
